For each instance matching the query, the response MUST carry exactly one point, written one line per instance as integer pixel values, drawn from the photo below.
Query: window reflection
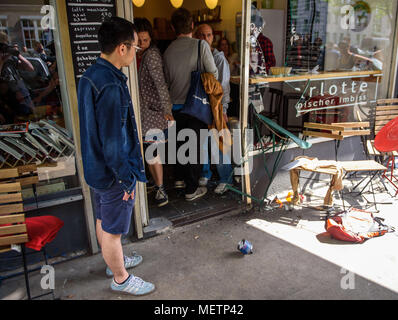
(32, 128)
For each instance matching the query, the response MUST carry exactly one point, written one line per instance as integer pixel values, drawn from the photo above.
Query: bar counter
(309, 76)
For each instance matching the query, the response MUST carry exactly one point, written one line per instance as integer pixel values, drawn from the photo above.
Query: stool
(275, 105)
(285, 111)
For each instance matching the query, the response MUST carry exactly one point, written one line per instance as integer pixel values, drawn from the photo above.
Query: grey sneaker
(221, 188)
(179, 185)
(203, 182)
(161, 197)
(200, 192)
(129, 262)
(134, 286)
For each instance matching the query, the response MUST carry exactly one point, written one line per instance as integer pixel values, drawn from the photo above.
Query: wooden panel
(25, 181)
(10, 187)
(378, 128)
(11, 208)
(10, 197)
(321, 126)
(386, 112)
(8, 173)
(387, 101)
(22, 238)
(348, 133)
(15, 218)
(381, 122)
(28, 180)
(352, 124)
(390, 117)
(322, 134)
(16, 229)
(386, 108)
(27, 168)
(371, 149)
(5, 249)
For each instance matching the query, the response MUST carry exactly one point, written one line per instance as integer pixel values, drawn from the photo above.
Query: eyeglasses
(131, 45)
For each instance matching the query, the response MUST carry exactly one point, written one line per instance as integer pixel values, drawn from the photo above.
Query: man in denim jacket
(111, 150)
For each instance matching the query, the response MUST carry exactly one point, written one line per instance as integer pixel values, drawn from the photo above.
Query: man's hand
(169, 117)
(127, 196)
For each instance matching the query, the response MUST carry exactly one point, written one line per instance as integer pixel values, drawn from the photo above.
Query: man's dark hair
(113, 32)
(182, 20)
(143, 25)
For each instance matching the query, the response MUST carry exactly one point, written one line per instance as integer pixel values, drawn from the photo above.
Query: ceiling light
(138, 3)
(176, 3)
(211, 4)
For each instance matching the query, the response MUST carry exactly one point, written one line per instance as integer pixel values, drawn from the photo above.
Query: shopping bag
(197, 103)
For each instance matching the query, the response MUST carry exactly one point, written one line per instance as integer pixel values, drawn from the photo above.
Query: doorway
(178, 211)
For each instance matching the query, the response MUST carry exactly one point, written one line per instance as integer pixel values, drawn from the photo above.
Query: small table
(338, 170)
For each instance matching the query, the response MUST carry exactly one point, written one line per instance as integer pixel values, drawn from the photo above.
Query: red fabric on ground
(42, 230)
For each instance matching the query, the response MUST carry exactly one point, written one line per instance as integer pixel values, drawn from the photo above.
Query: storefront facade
(341, 58)
(313, 31)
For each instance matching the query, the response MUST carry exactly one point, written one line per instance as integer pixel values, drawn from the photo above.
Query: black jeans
(190, 172)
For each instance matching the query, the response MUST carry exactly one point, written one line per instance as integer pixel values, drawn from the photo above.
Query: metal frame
(69, 99)
(244, 93)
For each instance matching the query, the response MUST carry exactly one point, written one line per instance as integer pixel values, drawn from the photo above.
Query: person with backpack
(180, 60)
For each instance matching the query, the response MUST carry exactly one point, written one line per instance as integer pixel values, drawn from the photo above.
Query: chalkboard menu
(85, 18)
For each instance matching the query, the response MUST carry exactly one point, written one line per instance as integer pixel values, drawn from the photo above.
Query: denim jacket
(108, 132)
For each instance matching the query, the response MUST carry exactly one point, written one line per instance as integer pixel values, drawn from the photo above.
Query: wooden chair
(384, 111)
(337, 131)
(13, 225)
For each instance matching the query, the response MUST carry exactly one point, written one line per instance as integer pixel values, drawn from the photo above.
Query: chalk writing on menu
(85, 18)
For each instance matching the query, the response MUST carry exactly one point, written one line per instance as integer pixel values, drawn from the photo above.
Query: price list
(85, 18)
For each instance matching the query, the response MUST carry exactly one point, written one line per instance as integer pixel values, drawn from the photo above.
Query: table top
(362, 165)
(307, 76)
(347, 166)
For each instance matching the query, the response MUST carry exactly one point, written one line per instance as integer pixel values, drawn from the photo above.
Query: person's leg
(113, 218)
(99, 231)
(206, 166)
(178, 170)
(112, 252)
(193, 170)
(224, 168)
(156, 170)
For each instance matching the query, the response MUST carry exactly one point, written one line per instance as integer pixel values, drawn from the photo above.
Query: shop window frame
(4, 24)
(35, 27)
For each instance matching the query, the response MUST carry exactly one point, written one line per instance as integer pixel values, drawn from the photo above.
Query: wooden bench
(13, 225)
(12, 219)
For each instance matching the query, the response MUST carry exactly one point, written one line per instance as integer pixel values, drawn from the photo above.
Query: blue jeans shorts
(114, 213)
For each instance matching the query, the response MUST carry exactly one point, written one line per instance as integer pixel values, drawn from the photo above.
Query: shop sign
(332, 94)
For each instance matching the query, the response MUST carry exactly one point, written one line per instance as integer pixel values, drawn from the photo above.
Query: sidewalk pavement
(293, 259)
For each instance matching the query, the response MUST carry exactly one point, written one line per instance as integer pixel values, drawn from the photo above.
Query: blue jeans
(224, 169)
